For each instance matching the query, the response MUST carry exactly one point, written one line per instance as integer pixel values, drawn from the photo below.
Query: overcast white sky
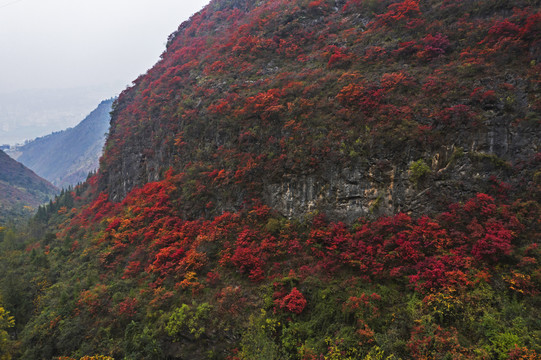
(105, 44)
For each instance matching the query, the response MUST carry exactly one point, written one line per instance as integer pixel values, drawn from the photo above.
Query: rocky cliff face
(347, 108)
(136, 166)
(386, 184)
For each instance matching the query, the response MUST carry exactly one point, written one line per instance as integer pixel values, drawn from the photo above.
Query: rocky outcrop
(385, 186)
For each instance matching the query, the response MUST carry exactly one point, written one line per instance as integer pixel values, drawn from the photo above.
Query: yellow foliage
(521, 283)
(190, 281)
(6, 322)
(336, 351)
(271, 325)
(443, 304)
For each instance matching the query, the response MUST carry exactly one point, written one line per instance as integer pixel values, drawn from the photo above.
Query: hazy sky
(104, 44)
(91, 42)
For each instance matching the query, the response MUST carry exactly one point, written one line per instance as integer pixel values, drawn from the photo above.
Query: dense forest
(303, 180)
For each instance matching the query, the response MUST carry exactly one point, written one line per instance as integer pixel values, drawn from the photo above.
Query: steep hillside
(306, 179)
(66, 157)
(330, 106)
(21, 191)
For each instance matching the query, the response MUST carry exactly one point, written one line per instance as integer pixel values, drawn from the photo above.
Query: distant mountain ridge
(66, 157)
(21, 190)
(31, 113)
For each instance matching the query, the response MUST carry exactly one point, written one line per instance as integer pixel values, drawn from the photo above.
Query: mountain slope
(328, 105)
(21, 190)
(67, 157)
(306, 180)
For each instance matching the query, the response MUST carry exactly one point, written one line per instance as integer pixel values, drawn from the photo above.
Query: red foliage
(366, 304)
(359, 96)
(94, 301)
(375, 53)
(406, 12)
(74, 246)
(503, 28)
(351, 4)
(128, 307)
(293, 302)
(213, 278)
(167, 259)
(456, 116)
(522, 353)
(133, 268)
(265, 104)
(250, 255)
(339, 57)
(494, 243)
(433, 46)
(434, 342)
(317, 3)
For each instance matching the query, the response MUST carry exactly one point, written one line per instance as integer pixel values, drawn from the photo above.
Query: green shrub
(185, 319)
(418, 170)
